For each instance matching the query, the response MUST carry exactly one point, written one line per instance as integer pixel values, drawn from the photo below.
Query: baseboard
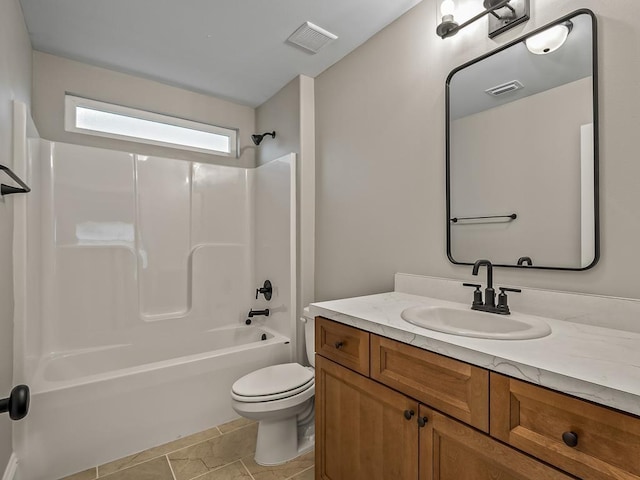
(12, 468)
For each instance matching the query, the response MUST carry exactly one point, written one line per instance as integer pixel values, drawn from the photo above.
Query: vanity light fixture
(503, 15)
(549, 40)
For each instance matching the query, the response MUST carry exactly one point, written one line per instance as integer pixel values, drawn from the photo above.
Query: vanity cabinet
(387, 410)
(369, 431)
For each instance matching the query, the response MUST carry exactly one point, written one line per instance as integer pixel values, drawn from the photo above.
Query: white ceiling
(234, 49)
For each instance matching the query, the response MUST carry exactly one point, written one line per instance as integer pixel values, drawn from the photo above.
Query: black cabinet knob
(408, 414)
(570, 439)
(422, 421)
(338, 345)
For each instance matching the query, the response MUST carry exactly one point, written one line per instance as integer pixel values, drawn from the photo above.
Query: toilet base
(277, 441)
(282, 440)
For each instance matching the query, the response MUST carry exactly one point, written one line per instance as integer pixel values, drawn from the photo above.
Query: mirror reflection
(521, 152)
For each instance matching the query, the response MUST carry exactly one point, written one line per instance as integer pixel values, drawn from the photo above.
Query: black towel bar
(513, 216)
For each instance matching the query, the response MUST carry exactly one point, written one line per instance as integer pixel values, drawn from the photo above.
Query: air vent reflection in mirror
(511, 86)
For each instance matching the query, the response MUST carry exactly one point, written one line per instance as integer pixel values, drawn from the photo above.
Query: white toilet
(281, 398)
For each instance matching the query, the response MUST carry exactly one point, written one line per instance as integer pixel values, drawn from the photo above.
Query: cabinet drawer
(453, 387)
(344, 345)
(534, 419)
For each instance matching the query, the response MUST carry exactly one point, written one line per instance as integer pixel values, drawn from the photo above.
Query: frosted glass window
(114, 121)
(89, 119)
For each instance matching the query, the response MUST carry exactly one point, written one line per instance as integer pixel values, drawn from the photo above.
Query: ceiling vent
(511, 86)
(311, 37)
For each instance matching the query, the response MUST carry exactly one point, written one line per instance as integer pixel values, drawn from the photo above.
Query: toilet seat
(273, 383)
(278, 408)
(275, 396)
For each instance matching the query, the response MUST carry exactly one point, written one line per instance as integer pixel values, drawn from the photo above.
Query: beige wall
(291, 113)
(15, 82)
(282, 114)
(380, 155)
(53, 76)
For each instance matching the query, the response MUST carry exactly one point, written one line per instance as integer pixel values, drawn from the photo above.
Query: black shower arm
(7, 189)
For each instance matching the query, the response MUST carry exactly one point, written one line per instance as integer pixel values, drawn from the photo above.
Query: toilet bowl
(281, 399)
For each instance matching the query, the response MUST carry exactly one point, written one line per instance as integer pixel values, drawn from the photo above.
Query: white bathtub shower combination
(134, 276)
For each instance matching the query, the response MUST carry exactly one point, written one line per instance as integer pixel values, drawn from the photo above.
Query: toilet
(281, 399)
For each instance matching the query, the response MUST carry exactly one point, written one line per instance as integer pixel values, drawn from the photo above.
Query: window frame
(72, 102)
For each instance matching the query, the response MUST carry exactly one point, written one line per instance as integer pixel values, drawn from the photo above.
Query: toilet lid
(273, 380)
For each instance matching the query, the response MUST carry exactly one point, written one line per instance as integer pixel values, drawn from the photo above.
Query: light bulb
(549, 40)
(447, 8)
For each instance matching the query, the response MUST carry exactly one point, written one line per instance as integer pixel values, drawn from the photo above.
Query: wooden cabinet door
(361, 429)
(450, 450)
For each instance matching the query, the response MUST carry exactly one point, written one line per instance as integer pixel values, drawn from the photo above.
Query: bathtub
(85, 403)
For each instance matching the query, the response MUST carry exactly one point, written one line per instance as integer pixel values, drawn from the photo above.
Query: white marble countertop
(591, 362)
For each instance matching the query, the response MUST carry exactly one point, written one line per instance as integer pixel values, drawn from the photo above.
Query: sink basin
(471, 323)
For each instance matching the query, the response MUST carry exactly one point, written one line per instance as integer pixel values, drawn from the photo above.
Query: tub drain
(264, 336)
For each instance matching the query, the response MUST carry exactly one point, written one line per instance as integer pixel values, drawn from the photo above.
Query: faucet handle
(503, 306)
(266, 290)
(477, 294)
(506, 289)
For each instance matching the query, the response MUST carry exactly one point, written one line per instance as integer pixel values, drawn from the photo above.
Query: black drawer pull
(570, 439)
(338, 345)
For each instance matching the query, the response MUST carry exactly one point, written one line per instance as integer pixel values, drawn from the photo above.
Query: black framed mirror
(522, 151)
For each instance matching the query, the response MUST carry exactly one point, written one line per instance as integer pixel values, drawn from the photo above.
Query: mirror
(522, 151)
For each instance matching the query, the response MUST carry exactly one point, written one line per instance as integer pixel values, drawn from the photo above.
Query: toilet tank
(309, 336)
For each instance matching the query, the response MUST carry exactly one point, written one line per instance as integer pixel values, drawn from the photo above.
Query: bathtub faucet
(253, 313)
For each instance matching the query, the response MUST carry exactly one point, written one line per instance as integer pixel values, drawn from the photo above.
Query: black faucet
(489, 292)
(253, 313)
(489, 304)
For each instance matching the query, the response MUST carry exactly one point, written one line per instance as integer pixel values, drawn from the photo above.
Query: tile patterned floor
(220, 453)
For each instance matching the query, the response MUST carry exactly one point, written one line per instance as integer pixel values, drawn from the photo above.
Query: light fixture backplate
(498, 26)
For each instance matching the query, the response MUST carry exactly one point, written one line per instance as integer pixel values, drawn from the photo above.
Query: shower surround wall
(140, 272)
(129, 241)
